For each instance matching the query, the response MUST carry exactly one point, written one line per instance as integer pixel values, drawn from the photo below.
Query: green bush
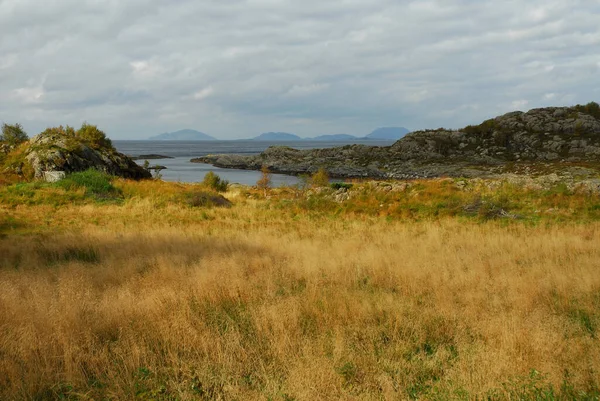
(95, 182)
(212, 180)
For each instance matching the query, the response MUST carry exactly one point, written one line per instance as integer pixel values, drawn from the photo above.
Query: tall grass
(153, 299)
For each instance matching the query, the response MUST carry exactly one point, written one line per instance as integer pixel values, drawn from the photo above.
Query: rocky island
(567, 137)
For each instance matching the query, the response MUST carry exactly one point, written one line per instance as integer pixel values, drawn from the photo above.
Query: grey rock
(54, 176)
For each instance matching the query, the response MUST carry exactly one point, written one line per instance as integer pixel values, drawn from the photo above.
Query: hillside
(393, 133)
(552, 135)
(183, 135)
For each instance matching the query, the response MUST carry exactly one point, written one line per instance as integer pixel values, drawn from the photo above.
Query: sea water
(179, 168)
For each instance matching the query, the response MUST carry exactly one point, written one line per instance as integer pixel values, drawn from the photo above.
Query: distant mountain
(333, 137)
(394, 133)
(277, 136)
(183, 135)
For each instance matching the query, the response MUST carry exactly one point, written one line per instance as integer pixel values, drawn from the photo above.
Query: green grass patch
(75, 188)
(96, 184)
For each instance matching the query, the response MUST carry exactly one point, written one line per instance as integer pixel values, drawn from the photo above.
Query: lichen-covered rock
(553, 134)
(53, 152)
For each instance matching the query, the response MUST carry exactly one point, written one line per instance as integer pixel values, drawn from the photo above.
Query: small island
(150, 157)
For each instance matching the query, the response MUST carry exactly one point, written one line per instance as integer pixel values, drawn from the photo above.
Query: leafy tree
(157, 173)
(264, 182)
(13, 135)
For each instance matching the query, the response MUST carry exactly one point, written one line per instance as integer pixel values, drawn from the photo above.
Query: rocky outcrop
(546, 134)
(550, 135)
(54, 152)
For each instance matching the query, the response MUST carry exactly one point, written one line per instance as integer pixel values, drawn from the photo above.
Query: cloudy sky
(237, 68)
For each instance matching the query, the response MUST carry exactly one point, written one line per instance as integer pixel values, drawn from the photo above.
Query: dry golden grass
(157, 300)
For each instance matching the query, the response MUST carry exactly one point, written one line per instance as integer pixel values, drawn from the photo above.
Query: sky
(237, 68)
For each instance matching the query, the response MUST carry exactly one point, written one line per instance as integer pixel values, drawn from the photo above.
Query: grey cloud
(238, 68)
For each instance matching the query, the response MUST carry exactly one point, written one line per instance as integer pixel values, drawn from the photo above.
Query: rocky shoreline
(563, 137)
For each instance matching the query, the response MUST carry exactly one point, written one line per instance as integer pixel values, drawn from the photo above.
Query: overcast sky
(237, 68)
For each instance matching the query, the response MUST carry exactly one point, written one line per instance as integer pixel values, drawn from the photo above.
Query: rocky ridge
(547, 182)
(567, 135)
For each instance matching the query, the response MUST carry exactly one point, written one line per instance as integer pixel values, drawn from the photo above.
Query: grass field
(142, 291)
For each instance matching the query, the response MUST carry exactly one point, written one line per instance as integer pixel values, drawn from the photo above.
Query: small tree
(157, 172)
(13, 135)
(264, 182)
(320, 178)
(302, 184)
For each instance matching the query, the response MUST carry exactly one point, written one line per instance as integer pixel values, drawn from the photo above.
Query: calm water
(181, 169)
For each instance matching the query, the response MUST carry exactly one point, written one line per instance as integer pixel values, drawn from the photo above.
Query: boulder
(54, 176)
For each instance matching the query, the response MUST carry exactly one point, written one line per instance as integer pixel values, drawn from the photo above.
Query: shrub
(157, 172)
(88, 134)
(320, 178)
(592, 108)
(66, 131)
(264, 182)
(93, 137)
(207, 199)
(13, 135)
(14, 163)
(212, 180)
(340, 185)
(484, 129)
